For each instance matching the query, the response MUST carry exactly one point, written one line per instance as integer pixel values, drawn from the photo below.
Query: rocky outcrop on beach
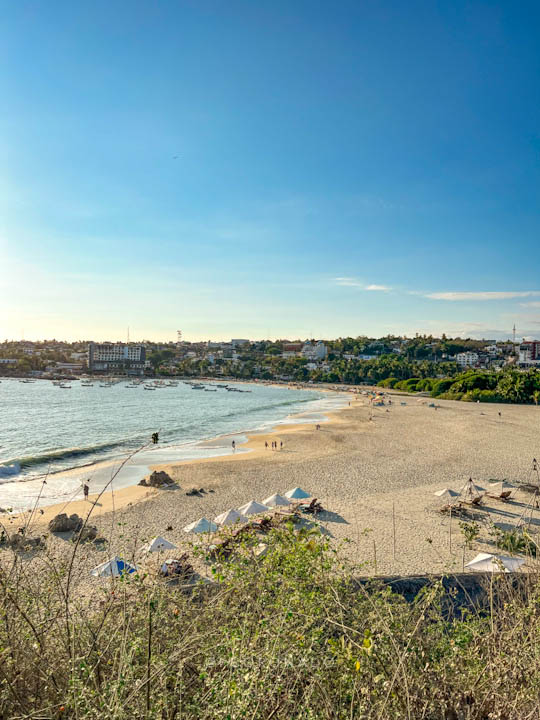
(63, 523)
(20, 542)
(157, 479)
(90, 532)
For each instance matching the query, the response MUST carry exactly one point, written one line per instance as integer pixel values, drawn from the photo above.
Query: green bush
(388, 383)
(483, 396)
(289, 635)
(441, 386)
(451, 395)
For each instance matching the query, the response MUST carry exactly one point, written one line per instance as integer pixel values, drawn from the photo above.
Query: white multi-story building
(116, 356)
(529, 353)
(467, 359)
(315, 351)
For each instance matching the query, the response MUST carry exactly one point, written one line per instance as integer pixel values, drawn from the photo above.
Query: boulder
(158, 478)
(21, 542)
(88, 533)
(63, 523)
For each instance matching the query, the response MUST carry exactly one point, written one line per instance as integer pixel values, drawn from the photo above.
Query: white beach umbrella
(252, 508)
(276, 500)
(471, 492)
(486, 562)
(158, 544)
(297, 494)
(201, 526)
(446, 493)
(113, 568)
(229, 518)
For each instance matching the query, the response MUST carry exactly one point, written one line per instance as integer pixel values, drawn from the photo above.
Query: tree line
(507, 386)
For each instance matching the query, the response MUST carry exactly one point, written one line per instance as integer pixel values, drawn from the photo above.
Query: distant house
(529, 353)
(291, 349)
(63, 367)
(236, 342)
(467, 359)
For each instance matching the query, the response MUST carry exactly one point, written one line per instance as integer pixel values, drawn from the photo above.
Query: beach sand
(371, 476)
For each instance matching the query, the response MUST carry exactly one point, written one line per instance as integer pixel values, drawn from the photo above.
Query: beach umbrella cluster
(241, 514)
(471, 493)
(116, 566)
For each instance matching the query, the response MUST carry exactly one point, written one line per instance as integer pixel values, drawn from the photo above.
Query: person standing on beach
(281, 444)
(86, 489)
(233, 446)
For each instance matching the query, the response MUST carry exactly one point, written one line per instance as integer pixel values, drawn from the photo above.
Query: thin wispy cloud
(533, 304)
(353, 282)
(480, 296)
(382, 288)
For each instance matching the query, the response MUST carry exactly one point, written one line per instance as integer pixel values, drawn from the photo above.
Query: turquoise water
(45, 429)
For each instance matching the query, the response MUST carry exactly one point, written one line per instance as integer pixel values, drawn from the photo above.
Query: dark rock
(158, 478)
(88, 533)
(63, 523)
(22, 542)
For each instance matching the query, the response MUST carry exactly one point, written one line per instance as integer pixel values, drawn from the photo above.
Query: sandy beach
(370, 475)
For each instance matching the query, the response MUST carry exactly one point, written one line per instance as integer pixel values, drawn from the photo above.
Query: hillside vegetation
(286, 636)
(508, 386)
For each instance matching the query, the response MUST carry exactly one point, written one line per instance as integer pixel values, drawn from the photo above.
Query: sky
(269, 169)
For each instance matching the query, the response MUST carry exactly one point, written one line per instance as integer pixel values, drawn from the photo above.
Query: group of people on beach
(275, 445)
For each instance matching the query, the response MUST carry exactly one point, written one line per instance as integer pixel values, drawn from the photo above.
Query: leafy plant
(470, 531)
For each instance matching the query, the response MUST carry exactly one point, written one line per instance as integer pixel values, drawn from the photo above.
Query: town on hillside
(345, 360)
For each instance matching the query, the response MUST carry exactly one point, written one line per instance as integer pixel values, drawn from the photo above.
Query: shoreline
(375, 479)
(117, 499)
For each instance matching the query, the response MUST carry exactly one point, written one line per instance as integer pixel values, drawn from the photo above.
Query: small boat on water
(146, 387)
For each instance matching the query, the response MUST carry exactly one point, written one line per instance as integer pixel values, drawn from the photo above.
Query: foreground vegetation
(286, 636)
(508, 386)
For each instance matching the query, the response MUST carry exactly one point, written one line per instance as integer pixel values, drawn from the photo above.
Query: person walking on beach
(233, 446)
(86, 489)
(266, 444)
(281, 444)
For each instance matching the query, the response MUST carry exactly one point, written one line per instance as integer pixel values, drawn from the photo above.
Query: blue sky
(280, 169)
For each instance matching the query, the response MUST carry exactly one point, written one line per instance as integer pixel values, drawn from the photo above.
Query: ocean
(46, 430)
